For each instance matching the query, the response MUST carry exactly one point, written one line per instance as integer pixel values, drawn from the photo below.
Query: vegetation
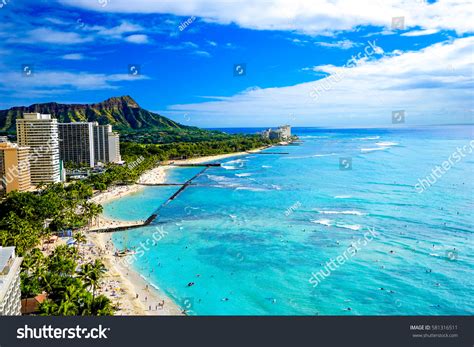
(122, 112)
(160, 136)
(70, 292)
(143, 157)
(26, 217)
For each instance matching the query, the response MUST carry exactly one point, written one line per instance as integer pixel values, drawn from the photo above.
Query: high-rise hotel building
(106, 144)
(76, 143)
(14, 167)
(88, 143)
(40, 133)
(10, 295)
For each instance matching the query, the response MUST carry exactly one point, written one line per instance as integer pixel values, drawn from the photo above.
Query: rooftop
(6, 256)
(38, 116)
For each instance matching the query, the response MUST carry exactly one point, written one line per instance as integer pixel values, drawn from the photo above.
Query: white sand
(122, 284)
(201, 160)
(154, 176)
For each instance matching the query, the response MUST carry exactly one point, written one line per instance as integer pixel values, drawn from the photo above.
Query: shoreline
(125, 287)
(200, 160)
(137, 295)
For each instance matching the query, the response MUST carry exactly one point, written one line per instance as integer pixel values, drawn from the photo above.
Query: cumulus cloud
(84, 33)
(421, 32)
(138, 38)
(433, 85)
(312, 17)
(342, 44)
(61, 82)
(48, 35)
(73, 56)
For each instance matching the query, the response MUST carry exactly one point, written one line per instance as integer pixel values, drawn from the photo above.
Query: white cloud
(61, 82)
(137, 38)
(313, 17)
(343, 44)
(73, 56)
(202, 53)
(421, 32)
(183, 45)
(434, 85)
(126, 31)
(117, 31)
(48, 35)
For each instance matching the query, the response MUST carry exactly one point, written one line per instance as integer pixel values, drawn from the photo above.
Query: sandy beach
(122, 284)
(127, 290)
(200, 160)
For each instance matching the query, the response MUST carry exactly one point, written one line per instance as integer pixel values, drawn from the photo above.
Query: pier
(149, 220)
(183, 186)
(132, 225)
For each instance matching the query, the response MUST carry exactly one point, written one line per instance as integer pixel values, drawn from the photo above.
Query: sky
(246, 63)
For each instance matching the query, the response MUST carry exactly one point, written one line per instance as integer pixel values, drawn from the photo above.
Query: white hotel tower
(10, 295)
(40, 133)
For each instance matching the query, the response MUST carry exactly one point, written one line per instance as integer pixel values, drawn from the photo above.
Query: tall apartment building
(10, 295)
(106, 144)
(285, 131)
(14, 168)
(40, 133)
(114, 148)
(282, 133)
(76, 143)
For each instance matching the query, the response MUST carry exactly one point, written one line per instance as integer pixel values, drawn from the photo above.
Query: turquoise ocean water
(250, 234)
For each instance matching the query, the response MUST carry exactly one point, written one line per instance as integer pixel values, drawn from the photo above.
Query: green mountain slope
(121, 112)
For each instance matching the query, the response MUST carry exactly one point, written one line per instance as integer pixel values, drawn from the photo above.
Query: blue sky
(307, 63)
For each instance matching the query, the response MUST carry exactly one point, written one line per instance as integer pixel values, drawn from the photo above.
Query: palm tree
(102, 306)
(79, 238)
(91, 274)
(68, 305)
(91, 210)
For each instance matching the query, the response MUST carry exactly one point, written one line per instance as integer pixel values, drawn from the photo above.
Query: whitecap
(236, 161)
(343, 197)
(326, 222)
(350, 212)
(373, 149)
(324, 155)
(266, 166)
(369, 138)
(217, 178)
(386, 143)
(329, 223)
(311, 156)
(243, 174)
(252, 189)
(349, 226)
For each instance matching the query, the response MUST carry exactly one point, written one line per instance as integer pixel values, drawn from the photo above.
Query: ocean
(347, 222)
